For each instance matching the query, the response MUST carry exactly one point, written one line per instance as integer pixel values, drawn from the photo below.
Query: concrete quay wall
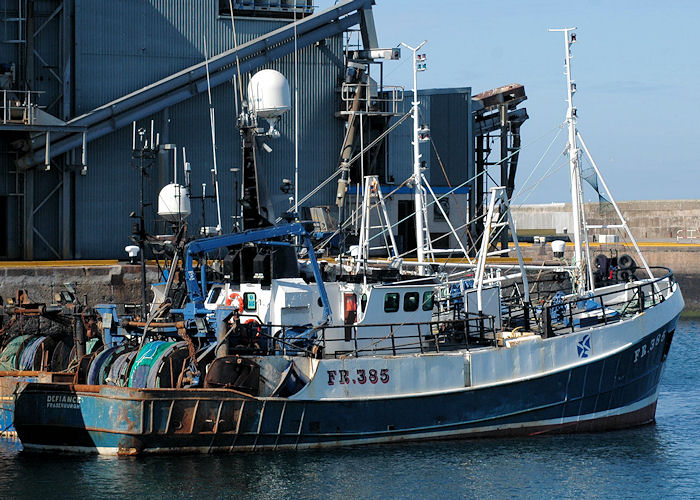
(654, 220)
(110, 283)
(682, 259)
(120, 283)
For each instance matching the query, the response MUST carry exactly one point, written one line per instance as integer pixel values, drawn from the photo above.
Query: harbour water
(655, 461)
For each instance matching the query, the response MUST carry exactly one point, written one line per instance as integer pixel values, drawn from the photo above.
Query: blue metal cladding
(450, 119)
(447, 112)
(46, 67)
(124, 45)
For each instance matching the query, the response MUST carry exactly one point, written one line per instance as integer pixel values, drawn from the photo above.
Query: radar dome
(174, 203)
(268, 94)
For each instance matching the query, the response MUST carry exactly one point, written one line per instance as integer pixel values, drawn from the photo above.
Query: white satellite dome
(268, 94)
(558, 248)
(174, 203)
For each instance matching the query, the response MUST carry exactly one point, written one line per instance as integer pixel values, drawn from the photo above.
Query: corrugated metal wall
(123, 45)
(47, 70)
(448, 114)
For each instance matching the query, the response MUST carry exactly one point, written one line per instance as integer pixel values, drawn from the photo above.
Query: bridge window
(427, 301)
(214, 294)
(410, 301)
(280, 9)
(391, 302)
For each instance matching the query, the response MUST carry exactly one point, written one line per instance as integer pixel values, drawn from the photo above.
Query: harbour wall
(668, 232)
(650, 220)
(682, 259)
(98, 282)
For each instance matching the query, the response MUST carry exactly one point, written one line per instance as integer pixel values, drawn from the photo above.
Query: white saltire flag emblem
(584, 346)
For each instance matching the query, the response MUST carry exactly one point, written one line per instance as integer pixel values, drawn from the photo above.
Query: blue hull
(611, 393)
(9, 382)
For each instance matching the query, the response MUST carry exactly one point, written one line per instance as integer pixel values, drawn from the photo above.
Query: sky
(636, 66)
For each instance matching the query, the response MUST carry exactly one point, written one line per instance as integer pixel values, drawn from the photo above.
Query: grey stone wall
(655, 220)
(101, 284)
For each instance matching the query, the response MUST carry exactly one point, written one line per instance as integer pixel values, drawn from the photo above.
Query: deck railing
(463, 332)
(570, 314)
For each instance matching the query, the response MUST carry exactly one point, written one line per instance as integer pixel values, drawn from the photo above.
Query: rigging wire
(351, 161)
(235, 46)
(468, 181)
(212, 122)
(448, 193)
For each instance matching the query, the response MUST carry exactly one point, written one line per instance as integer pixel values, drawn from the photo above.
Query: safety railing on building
(19, 106)
(388, 100)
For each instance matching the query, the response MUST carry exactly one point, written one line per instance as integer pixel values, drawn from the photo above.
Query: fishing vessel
(41, 342)
(275, 350)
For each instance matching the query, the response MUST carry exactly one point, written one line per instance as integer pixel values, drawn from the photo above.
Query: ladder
(18, 22)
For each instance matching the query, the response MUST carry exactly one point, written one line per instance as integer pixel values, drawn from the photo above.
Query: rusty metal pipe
(79, 338)
(180, 325)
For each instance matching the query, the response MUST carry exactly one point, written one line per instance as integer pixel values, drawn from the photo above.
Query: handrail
(565, 316)
(467, 331)
(392, 95)
(19, 100)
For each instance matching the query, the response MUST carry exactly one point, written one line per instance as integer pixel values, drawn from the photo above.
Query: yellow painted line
(67, 263)
(57, 263)
(462, 260)
(666, 244)
(669, 244)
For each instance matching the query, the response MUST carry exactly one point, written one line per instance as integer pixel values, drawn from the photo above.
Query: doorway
(407, 228)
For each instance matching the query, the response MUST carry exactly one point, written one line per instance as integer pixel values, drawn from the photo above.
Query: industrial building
(76, 74)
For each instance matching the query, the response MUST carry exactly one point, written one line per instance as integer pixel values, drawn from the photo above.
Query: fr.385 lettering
(361, 377)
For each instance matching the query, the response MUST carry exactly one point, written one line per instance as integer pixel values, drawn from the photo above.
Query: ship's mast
(417, 178)
(574, 160)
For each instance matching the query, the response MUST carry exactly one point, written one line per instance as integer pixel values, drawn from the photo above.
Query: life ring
(253, 322)
(233, 299)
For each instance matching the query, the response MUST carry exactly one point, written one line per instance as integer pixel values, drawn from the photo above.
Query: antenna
(184, 164)
(235, 46)
(574, 158)
(296, 118)
(418, 65)
(212, 122)
(175, 165)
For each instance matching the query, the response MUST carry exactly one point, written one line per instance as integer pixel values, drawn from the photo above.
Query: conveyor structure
(192, 81)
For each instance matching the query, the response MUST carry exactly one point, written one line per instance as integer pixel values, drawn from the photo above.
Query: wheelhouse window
(214, 294)
(391, 302)
(428, 301)
(350, 308)
(410, 301)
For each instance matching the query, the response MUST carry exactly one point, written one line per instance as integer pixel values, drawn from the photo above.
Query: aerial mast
(418, 65)
(574, 159)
